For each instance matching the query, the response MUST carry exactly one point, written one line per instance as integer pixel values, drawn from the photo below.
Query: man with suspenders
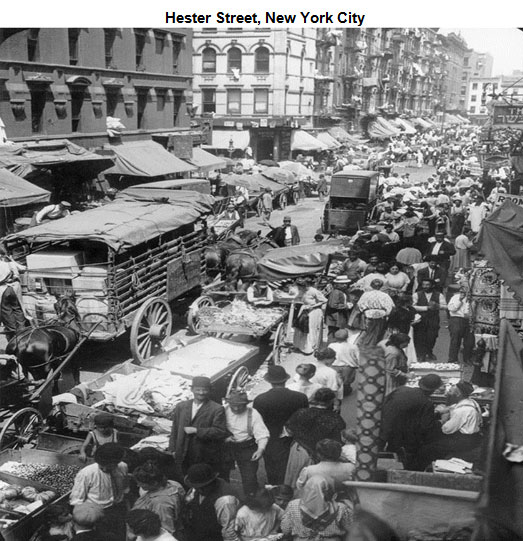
(248, 439)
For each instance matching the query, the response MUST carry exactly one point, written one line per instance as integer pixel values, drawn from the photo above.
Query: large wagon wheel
(21, 428)
(193, 318)
(295, 197)
(278, 342)
(259, 208)
(282, 201)
(238, 381)
(151, 325)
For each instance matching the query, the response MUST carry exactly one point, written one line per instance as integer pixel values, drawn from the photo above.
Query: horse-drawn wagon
(121, 263)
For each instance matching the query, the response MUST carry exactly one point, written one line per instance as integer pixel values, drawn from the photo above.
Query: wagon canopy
(301, 260)
(501, 242)
(254, 183)
(126, 222)
(15, 191)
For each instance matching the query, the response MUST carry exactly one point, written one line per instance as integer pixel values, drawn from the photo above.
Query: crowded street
(277, 327)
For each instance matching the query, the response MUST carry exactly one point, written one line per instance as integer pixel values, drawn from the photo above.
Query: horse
(38, 350)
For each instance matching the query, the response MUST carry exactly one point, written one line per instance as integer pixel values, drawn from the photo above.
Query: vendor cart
(65, 468)
(122, 263)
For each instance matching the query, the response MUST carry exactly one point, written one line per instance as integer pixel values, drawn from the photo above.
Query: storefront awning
(380, 128)
(403, 125)
(421, 123)
(339, 133)
(324, 137)
(301, 140)
(241, 139)
(15, 191)
(145, 159)
(205, 161)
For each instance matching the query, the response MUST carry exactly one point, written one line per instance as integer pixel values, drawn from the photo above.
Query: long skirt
(461, 260)
(299, 458)
(374, 332)
(308, 342)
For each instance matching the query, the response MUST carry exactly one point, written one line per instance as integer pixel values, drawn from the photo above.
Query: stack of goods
(23, 500)
(207, 357)
(59, 477)
(239, 314)
(450, 373)
(153, 392)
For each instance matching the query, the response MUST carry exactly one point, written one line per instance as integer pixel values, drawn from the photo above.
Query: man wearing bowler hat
(275, 407)
(248, 440)
(198, 430)
(286, 234)
(211, 506)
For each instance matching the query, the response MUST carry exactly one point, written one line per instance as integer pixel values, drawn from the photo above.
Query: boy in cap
(198, 430)
(248, 439)
(275, 407)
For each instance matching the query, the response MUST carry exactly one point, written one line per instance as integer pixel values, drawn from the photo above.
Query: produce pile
(59, 477)
(437, 367)
(240, 314)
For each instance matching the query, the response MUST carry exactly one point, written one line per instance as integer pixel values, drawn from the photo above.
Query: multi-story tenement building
(257, 84)
(395, 70)
(455, 49)
(65, 82)
(323, 112)
(475, 65)
(480, 91)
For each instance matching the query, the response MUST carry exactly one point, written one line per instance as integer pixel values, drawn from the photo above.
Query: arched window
(209, 60)
(234, 59)
(261, 60)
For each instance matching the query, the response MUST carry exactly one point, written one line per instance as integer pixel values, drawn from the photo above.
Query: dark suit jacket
(439, 277)
(278, 235)
(445, 251)
(277, 405)
(91, 535)
(204, 446)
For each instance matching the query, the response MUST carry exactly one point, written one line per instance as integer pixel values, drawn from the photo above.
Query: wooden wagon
(123, 263)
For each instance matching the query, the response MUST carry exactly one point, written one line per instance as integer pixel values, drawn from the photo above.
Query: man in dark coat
(433, 272)
(409, 420)
(198, 430)
(285, 235)
(441, 249)
(275, 407)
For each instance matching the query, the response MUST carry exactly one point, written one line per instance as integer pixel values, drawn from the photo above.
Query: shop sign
(502, 197)
(508, 116)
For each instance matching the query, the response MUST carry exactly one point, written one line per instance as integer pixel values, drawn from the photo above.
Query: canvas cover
(15, 191)
(133, 218)
(501, 242)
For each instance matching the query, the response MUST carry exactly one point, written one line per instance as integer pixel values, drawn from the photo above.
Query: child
(282, 495)
(259, 518)
(103, 432)
(59, 524)
(348, 451)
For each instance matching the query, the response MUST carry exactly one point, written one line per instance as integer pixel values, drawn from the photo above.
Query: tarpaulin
(301, 140)
(15, 191)
(380, 128)
(253, 183)
(403, 125)
(301, 260)
(502, 494)
(27, 160)
(324, 137)
(205, 161)
(421, 123)
(145, 159)
(133, 218)
(501, 242)
(339, 133)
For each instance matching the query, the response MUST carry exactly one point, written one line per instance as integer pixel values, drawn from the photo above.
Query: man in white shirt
(376, 306)
(347, 358)
(53, 212)
(248, 439)
(459, 327)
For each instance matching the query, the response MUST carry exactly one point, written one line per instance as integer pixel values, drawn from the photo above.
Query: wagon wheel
(259, 208)
(73, 449)
(238, 380)
(193, 319)
(282, 201)
(278, 343)
(295, 197)
(151, 325)
(21, 428)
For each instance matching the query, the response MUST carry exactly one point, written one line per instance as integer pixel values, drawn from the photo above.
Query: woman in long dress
(308, 337)
(463, 244)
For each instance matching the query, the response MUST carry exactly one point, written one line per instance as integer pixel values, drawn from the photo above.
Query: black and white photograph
(261, 282)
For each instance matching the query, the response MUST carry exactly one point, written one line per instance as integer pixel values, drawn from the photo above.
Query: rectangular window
(77, 102)
(473, 98)
(160, 100)
(472, 110)
(208, 100)
(141, 106)
(300, 99)
(261, 101)
(37, 110)
(33, 50)
(74, 34)
(234, 101)
(177, 46)
(139, 47)
(177, 103)
(474, 86)
(159, 42)
(109, 37)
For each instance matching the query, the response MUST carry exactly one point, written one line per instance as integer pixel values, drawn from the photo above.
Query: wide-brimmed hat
(201, 381)
(276, 374)
(341, 279)
(237, 397)
(430, 382)
(200, 475)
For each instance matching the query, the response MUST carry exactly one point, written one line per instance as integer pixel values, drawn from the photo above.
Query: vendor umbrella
(299, 170)
(279, 175)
